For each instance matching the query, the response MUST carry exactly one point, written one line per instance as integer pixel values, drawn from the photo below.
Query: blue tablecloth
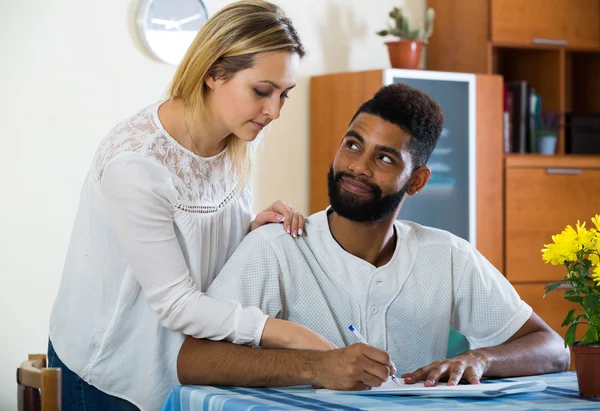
(561, 394)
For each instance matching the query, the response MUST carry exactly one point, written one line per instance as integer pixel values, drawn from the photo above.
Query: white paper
(491, 389)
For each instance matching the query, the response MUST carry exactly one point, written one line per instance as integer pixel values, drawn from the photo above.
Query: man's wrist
(483, 355)
(309, 373)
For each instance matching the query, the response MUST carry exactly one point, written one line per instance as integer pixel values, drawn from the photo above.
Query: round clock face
(167, 27)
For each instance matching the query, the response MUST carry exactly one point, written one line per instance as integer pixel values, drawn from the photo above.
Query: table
(562, 394)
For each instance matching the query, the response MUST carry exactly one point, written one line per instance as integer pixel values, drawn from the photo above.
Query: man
(400, 284)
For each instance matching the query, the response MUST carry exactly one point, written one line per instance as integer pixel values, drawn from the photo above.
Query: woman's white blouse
(155, 225)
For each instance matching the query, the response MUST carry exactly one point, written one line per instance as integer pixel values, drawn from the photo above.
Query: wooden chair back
(38, 388)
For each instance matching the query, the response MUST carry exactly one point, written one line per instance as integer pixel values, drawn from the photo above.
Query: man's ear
(419, 179)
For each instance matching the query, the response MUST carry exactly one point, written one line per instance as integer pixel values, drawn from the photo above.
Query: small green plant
(578, 250)
(400, 26)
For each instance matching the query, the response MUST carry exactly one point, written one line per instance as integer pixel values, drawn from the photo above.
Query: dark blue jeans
(78, 395)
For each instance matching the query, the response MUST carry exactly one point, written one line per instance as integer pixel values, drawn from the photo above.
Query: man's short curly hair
(414, 111)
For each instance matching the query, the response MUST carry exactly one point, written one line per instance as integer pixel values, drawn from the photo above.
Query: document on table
(489, 389)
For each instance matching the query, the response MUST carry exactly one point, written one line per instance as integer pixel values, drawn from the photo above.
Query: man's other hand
(468, 366)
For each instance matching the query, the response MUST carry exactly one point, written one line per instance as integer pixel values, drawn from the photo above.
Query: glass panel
(444, 202)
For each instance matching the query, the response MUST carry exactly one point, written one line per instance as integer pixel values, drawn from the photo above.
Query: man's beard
(354, 207)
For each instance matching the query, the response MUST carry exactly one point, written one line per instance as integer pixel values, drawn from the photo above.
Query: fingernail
(295, 233)
(300, 232)
(431, 382)
(288, 230)
(280, 217)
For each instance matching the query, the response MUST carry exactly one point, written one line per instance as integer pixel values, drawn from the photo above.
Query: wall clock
(167, 27)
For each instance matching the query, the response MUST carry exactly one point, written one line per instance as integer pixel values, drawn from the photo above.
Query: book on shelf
(507, 119)
(522, 107)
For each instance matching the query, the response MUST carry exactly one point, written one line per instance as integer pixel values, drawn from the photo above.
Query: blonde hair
(227, 43)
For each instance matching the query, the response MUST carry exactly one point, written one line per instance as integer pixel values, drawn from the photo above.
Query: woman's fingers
(293, 221)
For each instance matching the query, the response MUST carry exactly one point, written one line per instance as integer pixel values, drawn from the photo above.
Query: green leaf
(578, 282)
(570, 318)
(570, 335)
(575, 299)
(383, 33)
(554, 286)
(590, 303)
(591, 336)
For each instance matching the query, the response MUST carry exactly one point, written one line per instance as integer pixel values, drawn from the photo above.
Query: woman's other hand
(285, 334)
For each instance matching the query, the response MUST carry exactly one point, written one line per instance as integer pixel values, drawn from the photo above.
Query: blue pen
(362, 340)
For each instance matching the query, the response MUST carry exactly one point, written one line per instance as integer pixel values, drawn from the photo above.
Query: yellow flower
(596, 274)
(578, 239)
(596, 221)
(596, 231)
(570, 241)
(560, 250)
(550, 256)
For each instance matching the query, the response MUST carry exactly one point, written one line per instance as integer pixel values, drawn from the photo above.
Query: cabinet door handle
(574, 171)
(564, 287)
(550, 42)
(561, 287)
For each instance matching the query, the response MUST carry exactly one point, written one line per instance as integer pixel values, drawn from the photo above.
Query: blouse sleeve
(139, 197)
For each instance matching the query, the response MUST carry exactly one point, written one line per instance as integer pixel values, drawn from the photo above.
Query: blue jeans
(78, 395)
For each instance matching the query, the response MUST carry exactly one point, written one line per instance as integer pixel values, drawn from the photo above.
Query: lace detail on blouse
(204, 184)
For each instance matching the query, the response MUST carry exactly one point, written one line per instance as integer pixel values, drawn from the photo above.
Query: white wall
(69, 71)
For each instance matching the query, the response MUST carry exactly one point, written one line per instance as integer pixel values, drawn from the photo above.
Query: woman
(165, 203)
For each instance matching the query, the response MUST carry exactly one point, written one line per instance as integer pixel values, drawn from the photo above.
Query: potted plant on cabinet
(578, 250)
(406, 51)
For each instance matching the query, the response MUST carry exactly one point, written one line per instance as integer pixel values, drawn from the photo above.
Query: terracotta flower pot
(405, 54)
(587, 364)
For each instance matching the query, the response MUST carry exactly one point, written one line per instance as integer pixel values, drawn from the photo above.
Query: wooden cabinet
(544, 194)
(540, 201)
(552, 309)
(553, 45)
(575, 23)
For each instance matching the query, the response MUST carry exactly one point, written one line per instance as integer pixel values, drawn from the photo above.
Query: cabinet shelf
(561, 160)
(534, 46)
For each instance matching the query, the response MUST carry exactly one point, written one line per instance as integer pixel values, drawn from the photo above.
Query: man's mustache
(376, 189)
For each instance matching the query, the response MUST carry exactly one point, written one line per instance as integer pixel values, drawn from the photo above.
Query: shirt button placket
(377, 296)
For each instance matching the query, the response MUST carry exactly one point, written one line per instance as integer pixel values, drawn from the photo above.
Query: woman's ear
(419, 179)
(210, 82)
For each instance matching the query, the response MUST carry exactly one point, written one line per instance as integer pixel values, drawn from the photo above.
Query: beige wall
(69, 72)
